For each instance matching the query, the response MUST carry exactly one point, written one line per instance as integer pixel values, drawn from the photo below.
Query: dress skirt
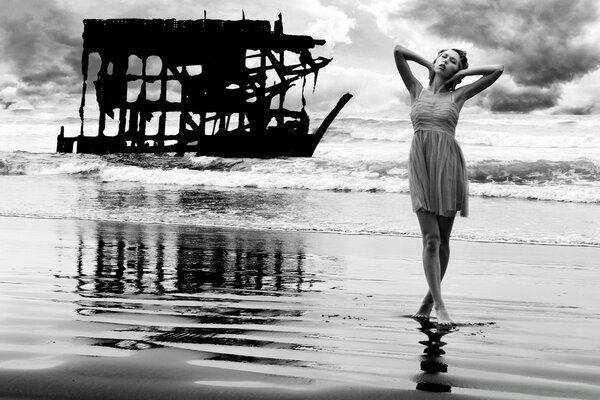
(437, 174)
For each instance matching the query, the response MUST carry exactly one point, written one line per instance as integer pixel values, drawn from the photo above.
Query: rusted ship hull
(215, 146)
(231, 144)
(222, 83)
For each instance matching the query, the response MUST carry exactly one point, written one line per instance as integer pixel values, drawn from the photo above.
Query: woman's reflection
(432, 379)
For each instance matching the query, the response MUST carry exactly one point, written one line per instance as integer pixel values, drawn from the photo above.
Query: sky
(550, 49)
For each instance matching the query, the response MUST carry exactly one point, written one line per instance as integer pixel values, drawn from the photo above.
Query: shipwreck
(216, 88)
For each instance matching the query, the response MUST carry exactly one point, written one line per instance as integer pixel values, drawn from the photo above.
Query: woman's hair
(463, 63)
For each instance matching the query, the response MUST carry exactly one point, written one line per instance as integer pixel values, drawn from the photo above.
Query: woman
(437, 171)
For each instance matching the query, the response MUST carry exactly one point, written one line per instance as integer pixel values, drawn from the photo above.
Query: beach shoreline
(96, 309)
(302, 231)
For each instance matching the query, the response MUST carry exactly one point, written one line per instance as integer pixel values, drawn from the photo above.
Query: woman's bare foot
(424, 311)
(443, 318)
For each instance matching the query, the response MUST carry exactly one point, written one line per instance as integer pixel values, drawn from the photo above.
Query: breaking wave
(571, 181)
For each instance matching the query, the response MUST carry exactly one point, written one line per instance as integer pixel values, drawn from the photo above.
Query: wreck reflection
(212, 292)
(162, 259)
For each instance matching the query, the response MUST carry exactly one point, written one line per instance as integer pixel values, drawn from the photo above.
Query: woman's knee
(432, 242)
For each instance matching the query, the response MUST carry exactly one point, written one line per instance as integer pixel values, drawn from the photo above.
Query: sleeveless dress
(437, 173)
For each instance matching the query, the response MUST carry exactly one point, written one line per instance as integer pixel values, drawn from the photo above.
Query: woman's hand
(456, 77)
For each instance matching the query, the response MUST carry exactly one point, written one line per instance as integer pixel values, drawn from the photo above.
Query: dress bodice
(431, 112)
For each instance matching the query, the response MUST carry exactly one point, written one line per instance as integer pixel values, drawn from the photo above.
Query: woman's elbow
(500, 68)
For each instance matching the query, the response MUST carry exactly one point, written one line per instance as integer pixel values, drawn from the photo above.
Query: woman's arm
(402, 55)
(490, 74)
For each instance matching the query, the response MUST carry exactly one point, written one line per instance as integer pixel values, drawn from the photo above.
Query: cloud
(549, 48)
(332, 24)
(40, 41)
(542, 43)
(381, 96)
(21, 105)
(521, 99)
(8, 96)
(576, 110)
(41, 47)
(368, 46)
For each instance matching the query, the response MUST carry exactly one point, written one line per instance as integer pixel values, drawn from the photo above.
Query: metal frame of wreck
(224, 87)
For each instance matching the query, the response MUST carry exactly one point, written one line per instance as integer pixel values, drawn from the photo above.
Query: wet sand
(120, 310)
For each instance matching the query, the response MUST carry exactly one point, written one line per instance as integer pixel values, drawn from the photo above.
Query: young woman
(436, 168)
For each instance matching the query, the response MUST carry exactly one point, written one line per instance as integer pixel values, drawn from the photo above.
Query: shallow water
(499, 220)
(290, 312)
(533, 179)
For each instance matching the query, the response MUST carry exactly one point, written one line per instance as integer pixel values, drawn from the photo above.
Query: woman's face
(447, 63)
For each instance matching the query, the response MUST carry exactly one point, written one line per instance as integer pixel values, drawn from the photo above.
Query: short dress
(437, 173)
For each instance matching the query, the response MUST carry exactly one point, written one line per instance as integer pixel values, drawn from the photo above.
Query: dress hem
(455, 213)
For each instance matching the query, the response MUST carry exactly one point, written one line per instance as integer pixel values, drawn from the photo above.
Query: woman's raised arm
(402, 55)
(490, 74)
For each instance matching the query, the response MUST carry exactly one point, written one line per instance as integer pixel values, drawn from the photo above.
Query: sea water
(533, 179)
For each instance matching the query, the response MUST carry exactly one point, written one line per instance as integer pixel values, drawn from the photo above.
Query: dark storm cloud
(540, 42)
(40, 43)
(523, 99)
(578, 110)
(59, 76)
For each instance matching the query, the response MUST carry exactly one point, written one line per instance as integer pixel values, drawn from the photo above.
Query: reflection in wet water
(432, 360)
(157, 260)
(209, 292)
(237, 301)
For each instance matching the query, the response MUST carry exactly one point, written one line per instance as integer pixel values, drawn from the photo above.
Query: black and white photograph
(312, 199)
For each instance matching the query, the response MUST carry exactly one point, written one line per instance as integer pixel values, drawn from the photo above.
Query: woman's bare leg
(436, 252)
(445, 226)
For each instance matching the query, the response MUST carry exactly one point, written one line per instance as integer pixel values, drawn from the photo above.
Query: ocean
(533, 179)
(154, 276)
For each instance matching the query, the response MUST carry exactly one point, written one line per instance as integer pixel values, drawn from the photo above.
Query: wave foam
(573, 181)
(565, 193)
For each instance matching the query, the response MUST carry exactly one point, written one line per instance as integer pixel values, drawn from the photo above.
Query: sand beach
(98, 309)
